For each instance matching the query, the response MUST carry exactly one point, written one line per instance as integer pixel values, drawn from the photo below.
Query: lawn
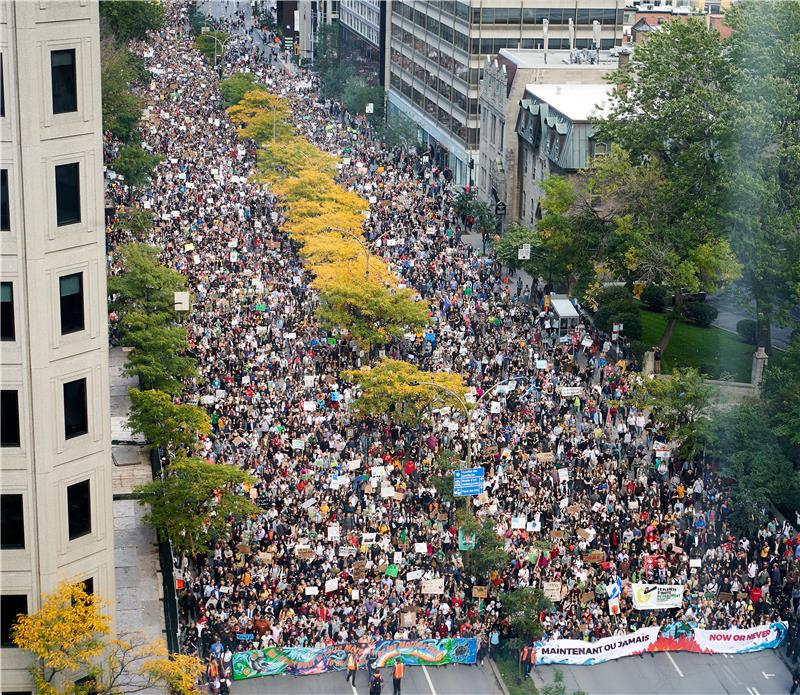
(509, 670)
(711, 350)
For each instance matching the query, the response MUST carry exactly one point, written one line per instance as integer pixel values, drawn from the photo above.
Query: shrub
(612, 295)
(747, 330)
(699, 313)
(655, 297)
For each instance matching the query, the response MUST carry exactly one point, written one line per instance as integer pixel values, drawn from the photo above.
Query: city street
(441, 680)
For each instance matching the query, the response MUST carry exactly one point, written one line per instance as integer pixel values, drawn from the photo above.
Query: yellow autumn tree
(262, 116)
(70, 637)
(278, 160)
(403, 392)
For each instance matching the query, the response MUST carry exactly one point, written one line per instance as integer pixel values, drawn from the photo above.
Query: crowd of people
(572, 486)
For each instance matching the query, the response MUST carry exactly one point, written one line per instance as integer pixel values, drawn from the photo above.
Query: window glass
(11, 606)
(76, 421)
(64, 81)
(7, 329)
(12, 525)
(68, 194)
(5, 205)
(71, 300)
(79, 509)
(9, 418)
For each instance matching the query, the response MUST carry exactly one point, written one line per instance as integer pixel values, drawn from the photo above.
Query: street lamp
(364, 244)
(206, 31)
(463, 404)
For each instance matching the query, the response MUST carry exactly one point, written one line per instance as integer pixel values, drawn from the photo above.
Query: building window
(522, 205)
(70, 289)
(79, 512)
(68, 194)
(76, 416)
(9, 418)
(64, 81)
(7, 330)
(11, 607)
(5, 205)
(12, 524)
(88, 586)
(2, 87)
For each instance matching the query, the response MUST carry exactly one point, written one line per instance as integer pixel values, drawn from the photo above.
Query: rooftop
(581, 58)
(578, 102)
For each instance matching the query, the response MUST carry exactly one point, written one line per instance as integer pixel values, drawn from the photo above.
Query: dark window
(70, 289)
(12, 524)
(16, 692)
(88, 585)
(64, 81)
(78, 510)
(2, 87)
(7, 330)
(9, 418)
(76, 421)
(5, 209)
(11, 606)
(68, 194)
(87, 685)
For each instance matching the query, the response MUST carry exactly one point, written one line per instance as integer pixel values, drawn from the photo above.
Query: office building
(362, 37)
(438, 51)
(55, 433)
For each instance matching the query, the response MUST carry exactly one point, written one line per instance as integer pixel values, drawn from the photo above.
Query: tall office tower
(55, 435)
(362, 36)
(439, 50)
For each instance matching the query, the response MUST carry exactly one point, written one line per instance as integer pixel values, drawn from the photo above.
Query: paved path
(730, 313)
(759, 673)
(436, 680)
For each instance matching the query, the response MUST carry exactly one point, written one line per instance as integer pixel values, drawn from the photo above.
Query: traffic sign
(524, 252)
(500, 208)
(468, 481)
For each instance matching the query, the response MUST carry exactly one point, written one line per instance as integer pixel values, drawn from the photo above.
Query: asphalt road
(419, 680)
(680, 673)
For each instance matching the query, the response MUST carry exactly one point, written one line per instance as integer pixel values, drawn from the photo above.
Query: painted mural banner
(675, 637)
(299, 661)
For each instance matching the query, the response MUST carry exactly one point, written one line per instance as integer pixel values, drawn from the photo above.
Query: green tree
(135, 165)
(762, 164)
(522, 608)
(236, 86)
(135, 221)
(176, 428)
(488, 552)
(194, 503)
(121, 107)
(132, 19)
(680, 403)
(212, 44)
(402, 392)
(669, 113)
(371, 313)
(158, 356)
(144, 285)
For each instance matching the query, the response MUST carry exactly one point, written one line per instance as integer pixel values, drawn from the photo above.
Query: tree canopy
(132, 19)
(144, 285)
(172, 427)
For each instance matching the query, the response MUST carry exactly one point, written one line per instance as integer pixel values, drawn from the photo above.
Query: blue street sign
(468, 481)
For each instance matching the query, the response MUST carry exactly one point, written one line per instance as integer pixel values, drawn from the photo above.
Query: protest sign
(432, 586)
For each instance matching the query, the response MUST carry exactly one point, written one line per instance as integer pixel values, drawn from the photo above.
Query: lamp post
(463, 404)
(364, 244)
(207, 32)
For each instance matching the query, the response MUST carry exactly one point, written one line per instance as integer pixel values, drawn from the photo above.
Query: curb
(497, 676)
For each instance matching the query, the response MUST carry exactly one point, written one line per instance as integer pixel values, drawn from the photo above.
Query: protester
(572, 486)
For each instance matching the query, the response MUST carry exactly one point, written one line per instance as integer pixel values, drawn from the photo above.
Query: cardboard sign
(312, 590)
(304, 552)
(480, 591)
(368, 538)
(409, 619)
(331, 585)
(596, 557)
(725, 596)
(347, 551)
(334, 532)
(552, 590)
(360, 569)
(411, 576)
(433, 586)
(545, 456)
(556, 534)
(421, 548)
(587, 596)
(584, 534)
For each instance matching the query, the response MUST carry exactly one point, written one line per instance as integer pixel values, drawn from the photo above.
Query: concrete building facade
(503, 170)
(438, 52)
(56, 449)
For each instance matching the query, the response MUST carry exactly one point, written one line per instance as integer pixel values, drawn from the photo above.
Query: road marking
(428, 678)
(672, 661)
(355, 692)
(755, 692)
(768, 675)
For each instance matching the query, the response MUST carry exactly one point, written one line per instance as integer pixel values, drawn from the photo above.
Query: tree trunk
(763, 326)
(669, 329)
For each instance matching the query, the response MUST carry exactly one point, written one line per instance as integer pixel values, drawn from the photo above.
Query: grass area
(713, 351)
(509, 670)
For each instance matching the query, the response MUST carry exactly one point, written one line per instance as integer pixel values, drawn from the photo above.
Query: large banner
(650, 597)
(675, 637)
(297, 661)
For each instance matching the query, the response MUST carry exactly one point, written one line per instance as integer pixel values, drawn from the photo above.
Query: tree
(679, 404)
(132, 19)
(211, 44)
(69, 636)
(135, 165)
(172, 427)
(402, 392)
(488, 552)
(293, 157)
(136, 222)
(121, 107)
(522, 608)
(158, 357)
(194, 503)
(762, 188)
(262, 116)
(144, 285)
(663, 180)
(369, 312)
(236, 86)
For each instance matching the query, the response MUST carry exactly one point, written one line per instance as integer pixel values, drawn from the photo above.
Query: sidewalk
(139, 600)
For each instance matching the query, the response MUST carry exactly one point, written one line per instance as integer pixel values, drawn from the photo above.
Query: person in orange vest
(525, 660)
(532, 657)
(397, 675)
(352, 667)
